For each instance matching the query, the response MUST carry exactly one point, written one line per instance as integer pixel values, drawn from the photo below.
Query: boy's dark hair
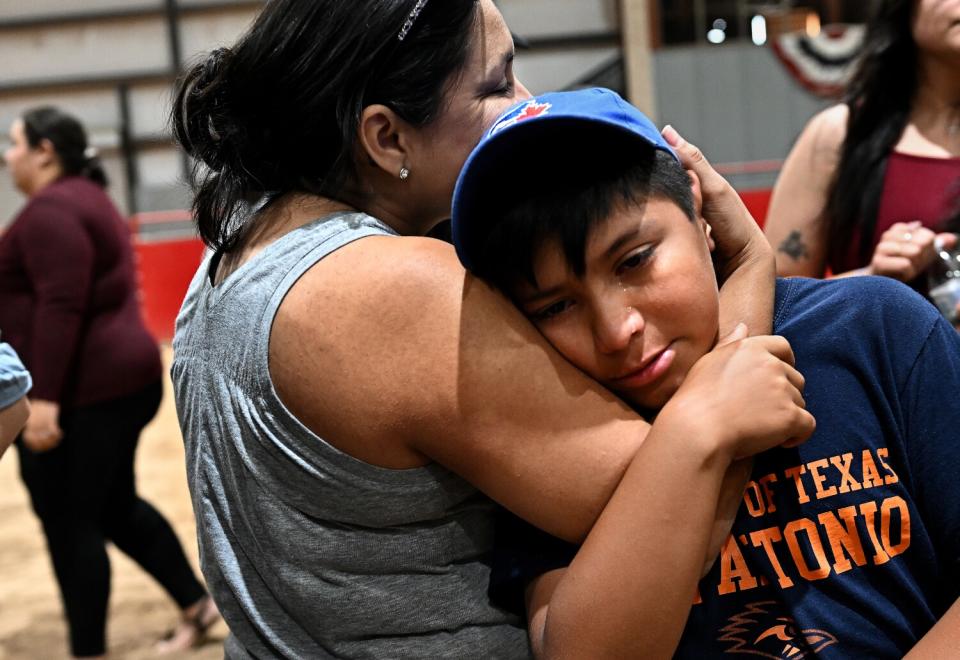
(69, 140)
(568, 200)
(279, 110)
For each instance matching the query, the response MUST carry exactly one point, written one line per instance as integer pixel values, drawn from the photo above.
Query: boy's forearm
(641, 563)
(748, 289)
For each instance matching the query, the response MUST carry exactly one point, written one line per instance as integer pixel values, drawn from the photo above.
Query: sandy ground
(31, 622)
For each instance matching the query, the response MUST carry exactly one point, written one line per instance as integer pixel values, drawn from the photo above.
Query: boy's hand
(744, 397)
(736, 233)
(739, 332)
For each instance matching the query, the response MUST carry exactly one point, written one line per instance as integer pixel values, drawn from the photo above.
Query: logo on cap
(529, 110)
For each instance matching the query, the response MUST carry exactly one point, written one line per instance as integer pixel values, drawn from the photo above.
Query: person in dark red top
(69, 307)
(869, 182)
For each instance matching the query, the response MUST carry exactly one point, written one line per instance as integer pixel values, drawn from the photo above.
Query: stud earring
(404, 174)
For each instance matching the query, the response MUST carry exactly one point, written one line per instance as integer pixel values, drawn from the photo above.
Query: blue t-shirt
(847, 546)
(14, 379)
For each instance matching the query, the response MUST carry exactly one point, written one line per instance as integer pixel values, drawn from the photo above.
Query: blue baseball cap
(520, 142)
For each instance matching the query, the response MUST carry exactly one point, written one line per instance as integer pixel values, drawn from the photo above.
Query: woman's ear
(382, 138)
(46, 153)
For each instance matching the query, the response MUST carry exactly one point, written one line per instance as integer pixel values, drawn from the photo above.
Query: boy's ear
(698, 209)
(382, 138)
(707, 229)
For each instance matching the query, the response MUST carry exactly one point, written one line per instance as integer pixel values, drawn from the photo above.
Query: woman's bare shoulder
(362, 334)
(391, 272)
(812, 161)
(827, 129)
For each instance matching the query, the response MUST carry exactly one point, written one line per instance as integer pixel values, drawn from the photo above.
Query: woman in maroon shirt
(870, 181)
(68, 305)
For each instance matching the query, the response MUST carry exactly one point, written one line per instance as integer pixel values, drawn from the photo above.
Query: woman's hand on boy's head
(737, 235)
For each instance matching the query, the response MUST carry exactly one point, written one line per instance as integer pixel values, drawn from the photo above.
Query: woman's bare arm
(415, 361)
(795, 226)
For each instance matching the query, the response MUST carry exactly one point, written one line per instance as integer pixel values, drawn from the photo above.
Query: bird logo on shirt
(760, 632)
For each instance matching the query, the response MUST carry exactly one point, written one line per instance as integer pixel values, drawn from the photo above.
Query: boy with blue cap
(847, 546)
(14, 385)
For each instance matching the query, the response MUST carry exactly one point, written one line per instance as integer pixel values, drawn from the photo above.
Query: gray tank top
(311, 553)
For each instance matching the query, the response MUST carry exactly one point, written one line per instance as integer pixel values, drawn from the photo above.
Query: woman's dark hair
(565, 201)
(279, 111)
(69, 140)
(879, 98)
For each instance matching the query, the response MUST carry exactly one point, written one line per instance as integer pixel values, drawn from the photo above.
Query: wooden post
(638, 28)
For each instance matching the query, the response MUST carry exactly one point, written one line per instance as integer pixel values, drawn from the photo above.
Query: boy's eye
(551, 311)
(635, 260)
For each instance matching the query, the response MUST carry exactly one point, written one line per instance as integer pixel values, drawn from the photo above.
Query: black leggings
(84, 494)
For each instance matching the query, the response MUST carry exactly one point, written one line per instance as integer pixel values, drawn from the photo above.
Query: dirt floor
(31, 622)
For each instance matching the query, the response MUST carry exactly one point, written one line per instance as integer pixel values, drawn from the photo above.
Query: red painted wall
(757, 202)
(165, 270)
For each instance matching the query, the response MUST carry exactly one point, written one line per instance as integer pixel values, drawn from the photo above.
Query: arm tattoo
(794, 247)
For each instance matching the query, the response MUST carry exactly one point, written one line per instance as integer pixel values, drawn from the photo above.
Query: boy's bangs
(561, 205)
